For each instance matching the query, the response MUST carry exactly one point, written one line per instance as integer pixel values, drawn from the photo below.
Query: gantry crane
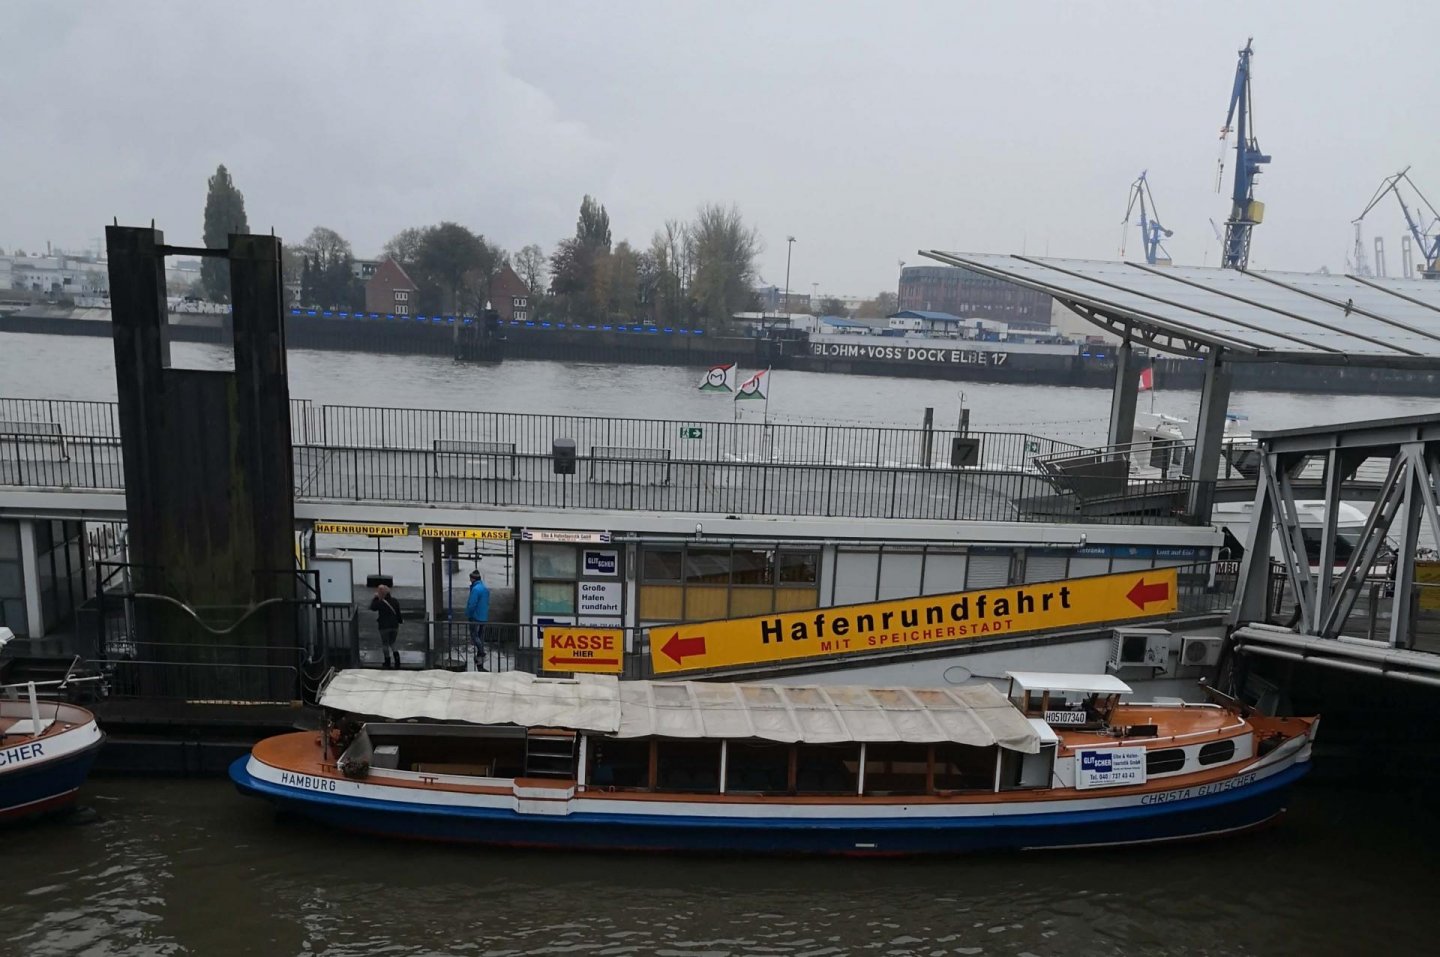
(1151, 232)
(1245, 211)
(1425, 234)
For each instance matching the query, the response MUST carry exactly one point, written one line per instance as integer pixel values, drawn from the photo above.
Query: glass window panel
(751, 601)
(753, 566)
(11, 583)
(799, 567)
(552, 598)
(707, 566)
(12, 616)
(9, 540)
(703, 602)
(662, 602)
(552, 561)
(797, 599)
(661, 564)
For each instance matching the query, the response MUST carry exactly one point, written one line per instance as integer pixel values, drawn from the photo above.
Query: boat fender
(355, 769)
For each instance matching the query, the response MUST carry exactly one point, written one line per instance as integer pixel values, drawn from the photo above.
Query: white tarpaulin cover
(978, 716)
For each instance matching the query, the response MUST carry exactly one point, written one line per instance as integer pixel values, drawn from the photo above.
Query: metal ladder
(550, 753)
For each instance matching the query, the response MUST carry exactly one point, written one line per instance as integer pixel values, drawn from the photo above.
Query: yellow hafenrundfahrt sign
(372, 529)
(446, 531)
(583, 649)
(908, 622)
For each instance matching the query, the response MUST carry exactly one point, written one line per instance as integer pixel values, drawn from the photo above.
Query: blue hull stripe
(1233, 809)
(45, 781)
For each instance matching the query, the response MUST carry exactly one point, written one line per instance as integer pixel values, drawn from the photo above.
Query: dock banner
(911, 622)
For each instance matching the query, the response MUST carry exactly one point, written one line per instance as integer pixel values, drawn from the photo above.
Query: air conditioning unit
(1201, 650)
(1140, 648)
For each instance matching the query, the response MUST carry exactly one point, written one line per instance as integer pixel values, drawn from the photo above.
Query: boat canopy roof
(1055, 681)
(979, 716)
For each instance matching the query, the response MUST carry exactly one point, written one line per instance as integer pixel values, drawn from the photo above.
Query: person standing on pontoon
(477, 612)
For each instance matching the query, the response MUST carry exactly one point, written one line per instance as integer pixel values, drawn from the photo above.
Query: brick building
(391, 290)
(509, 296)
(971, 295)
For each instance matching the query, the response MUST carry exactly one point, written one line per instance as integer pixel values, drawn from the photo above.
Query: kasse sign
(879, 626)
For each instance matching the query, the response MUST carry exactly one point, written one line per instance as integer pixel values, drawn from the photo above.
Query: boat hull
(884, 830)
(33, 788)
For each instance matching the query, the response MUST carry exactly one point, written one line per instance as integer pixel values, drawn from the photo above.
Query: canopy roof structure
(1305, 318)
(1054, 681)
(978, 716)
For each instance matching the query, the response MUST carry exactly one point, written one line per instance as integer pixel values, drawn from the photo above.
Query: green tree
(446, 256)
(332, 271)
(404, 246)
(593, 226)
(670, 250)
(224, 214)
(723, 254)
(831, 306)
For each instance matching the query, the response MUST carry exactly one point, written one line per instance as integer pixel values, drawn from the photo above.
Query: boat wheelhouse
(594, 762)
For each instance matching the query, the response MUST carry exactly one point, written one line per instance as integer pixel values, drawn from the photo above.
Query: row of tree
(698, 272)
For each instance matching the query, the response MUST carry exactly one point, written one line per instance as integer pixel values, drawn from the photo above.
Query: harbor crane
(1151, 232)
(1246, 212)
(1425, 233)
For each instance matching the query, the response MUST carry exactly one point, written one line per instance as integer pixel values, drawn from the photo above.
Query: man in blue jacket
(477, 611)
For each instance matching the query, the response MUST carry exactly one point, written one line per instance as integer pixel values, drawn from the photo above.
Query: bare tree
(723, 253)
(533, 268)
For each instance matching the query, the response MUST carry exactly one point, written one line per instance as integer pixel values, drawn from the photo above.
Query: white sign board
(1065, 717)
(1109, 768)
(600, 598)
(551, 535)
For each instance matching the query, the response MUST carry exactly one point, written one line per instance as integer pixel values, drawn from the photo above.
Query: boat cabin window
(620, 763)
(1218, 752)
(1165, 761)
(756, 767)
(959, 767)
(827, 768)
(446, 749)
(896, 768)
(688, 765)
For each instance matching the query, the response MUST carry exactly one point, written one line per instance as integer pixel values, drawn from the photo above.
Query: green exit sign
(691, 432)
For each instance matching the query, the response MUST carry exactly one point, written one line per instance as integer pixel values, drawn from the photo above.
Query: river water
(188, 867)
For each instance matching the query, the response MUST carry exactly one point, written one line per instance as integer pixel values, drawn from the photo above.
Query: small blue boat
(46, 750)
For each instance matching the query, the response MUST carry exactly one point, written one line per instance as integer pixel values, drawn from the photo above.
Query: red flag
(1147, 379)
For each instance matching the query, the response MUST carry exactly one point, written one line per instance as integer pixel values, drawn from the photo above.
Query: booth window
(700, 582)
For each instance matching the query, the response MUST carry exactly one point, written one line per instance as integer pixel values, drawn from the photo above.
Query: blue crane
(1245, 211)
(1151, 232)
(1425, 234)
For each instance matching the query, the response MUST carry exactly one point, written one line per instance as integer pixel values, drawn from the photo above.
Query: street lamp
(789, 245)
(897, 284)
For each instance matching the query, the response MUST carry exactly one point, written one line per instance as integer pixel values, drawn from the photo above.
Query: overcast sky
(866, 130)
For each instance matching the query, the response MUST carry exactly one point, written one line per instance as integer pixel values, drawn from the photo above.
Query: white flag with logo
(753, 387)
(719, 379)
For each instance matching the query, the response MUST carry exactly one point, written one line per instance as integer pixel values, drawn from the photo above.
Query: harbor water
(189, 867)
(164, 867)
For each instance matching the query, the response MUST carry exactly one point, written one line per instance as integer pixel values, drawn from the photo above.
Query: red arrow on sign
(582, 661)
(681, 648)
(1143, 594)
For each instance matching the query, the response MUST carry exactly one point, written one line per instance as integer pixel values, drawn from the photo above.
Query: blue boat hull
(1210, 815)
(47, 787)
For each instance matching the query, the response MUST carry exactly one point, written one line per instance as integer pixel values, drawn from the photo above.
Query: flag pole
(769, 384)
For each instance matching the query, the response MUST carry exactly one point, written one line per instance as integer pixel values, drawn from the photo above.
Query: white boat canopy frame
(978, 716)
(1023, 681)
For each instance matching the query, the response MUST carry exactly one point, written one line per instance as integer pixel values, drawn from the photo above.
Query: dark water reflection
(185, 867)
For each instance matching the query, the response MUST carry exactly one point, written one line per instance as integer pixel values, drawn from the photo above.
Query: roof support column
(1124, 395)
(1209, 434)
